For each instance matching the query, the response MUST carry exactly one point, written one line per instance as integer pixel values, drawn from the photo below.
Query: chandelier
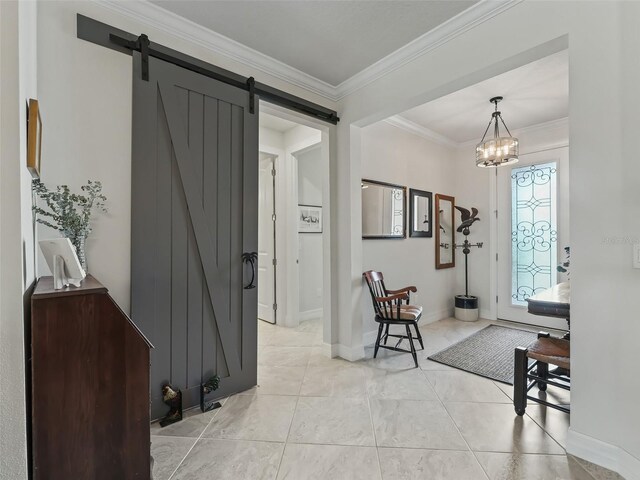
(498, 150)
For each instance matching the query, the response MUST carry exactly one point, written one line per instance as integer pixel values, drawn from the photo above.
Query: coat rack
(466, 306)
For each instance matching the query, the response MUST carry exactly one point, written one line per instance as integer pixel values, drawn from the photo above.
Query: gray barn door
(194, 213)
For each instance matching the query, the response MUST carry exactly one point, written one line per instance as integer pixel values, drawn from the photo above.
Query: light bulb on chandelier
(499, 150)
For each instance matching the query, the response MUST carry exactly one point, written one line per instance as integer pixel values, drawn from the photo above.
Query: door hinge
(275, 261)
(273, 172)
(275, 306)
(273, 217)
(496, 298)
(496, 213)
(496, 257)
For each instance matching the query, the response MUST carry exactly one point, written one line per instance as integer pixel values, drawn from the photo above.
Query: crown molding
(417, 129)
(412, 127)
(560, 122)
(466, 20)
(155, 16)
(169, 22)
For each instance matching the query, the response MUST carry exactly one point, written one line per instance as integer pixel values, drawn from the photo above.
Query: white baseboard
(603, 454)
(330, 351)
(486, 314)
(369, 338)
(353, 354)
(436, 316)
(310, 314)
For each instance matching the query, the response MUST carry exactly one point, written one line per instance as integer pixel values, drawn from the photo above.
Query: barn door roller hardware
(107, 36)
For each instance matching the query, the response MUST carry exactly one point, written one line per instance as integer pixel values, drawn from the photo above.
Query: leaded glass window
(533, 230)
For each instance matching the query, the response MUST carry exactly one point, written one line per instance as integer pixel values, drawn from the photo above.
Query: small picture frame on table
(309, 219)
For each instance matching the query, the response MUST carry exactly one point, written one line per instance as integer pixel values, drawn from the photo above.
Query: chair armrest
(391, 298)
(405, 289)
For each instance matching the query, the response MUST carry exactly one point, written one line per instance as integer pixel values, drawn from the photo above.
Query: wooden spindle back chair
(392, 307)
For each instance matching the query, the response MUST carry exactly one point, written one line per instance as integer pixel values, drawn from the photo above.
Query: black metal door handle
(251, 258)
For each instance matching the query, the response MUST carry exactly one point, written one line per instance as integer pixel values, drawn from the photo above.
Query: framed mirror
(420, 213)
(445, 233)
(383, 210)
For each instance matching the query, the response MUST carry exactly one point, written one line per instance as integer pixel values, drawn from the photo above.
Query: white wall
(18, 31)
(395, 156)
(604, 115)
(310, 244)
(85, 92)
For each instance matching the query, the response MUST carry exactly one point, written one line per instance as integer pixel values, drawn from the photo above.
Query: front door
(533, 229)
(194, 214)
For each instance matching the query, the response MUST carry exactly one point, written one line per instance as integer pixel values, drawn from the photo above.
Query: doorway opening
(293, 234)
(433, 148)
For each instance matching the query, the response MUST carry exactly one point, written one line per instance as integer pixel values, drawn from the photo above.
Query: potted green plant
(70, 213)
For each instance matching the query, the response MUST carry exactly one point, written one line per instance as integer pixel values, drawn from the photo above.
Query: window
(533, 230)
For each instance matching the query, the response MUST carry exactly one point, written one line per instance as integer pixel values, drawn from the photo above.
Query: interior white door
(266, 240)
(533, 229)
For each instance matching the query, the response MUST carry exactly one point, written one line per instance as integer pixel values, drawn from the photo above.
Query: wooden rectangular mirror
(383, 210)
(420, 213)
(445, 233)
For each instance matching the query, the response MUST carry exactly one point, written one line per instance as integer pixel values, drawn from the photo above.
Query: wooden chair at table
(390, 310)
(545, 351)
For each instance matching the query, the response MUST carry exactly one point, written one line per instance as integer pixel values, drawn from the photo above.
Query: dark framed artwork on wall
(309, 219)
(34, 138)
(420, 224)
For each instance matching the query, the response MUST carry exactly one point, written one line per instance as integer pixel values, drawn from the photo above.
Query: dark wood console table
(89, 369)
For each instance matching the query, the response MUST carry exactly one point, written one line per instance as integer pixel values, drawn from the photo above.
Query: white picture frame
(63, 262)
(309, 219)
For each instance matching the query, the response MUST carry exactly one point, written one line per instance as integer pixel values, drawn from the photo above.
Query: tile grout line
(197, 439)
(547, 432)
(373, 428)
(295, 409)
(457, 428)
(584, 468)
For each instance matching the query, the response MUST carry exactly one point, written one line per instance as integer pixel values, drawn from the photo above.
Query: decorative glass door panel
(534, 230)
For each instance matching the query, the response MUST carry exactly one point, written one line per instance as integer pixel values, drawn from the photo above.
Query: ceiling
(276, 123)
(533, 94)
(327, 39)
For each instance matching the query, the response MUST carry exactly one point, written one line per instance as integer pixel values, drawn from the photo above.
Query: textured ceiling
(534, 93)
(329, 40)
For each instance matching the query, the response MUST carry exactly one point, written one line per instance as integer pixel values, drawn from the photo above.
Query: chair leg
(542, 369)
(520, 380)
(413, 348)
(386, 334)
(375, 350)
(415, 325)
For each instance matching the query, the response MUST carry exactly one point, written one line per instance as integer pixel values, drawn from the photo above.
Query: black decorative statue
(467, 305)
(205, 389)
(173, 399)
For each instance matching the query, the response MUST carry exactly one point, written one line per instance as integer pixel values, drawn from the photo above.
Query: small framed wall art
(34, 138)
(309, 219)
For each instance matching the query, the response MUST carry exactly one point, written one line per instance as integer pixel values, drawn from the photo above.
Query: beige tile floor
(312, 417)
